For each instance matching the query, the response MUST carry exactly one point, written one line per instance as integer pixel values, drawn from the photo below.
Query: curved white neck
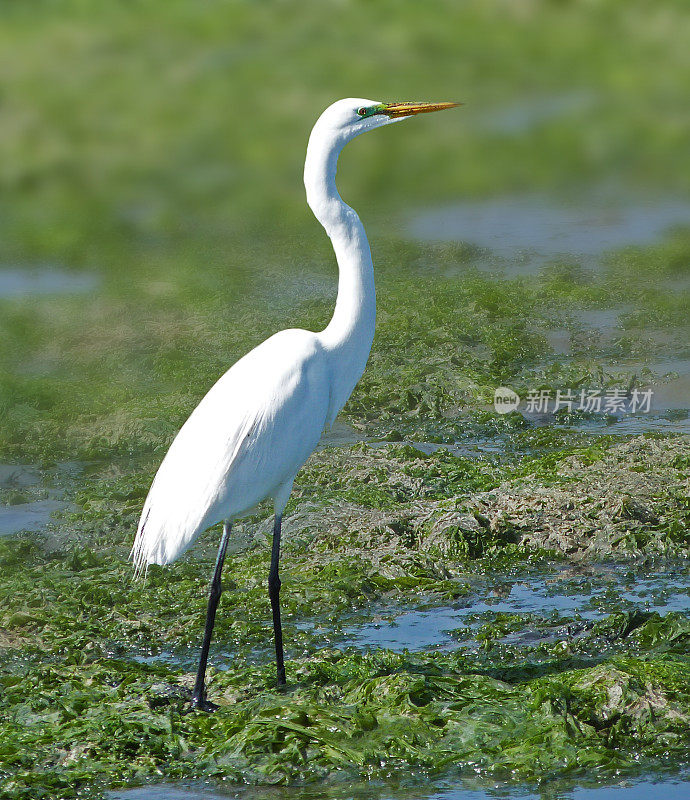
(350, 332)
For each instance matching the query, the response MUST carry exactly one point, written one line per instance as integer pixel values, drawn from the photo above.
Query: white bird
(249, 436)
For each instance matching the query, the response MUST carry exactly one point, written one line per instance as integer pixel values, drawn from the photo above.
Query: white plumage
(259, 423)
(244, 442)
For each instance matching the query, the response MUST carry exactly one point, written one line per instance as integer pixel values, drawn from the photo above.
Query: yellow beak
(407, 108)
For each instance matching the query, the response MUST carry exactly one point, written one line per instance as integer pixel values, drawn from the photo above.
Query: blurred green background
(157, 149)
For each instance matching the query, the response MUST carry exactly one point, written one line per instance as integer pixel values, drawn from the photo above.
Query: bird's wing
(187, 484)
(250, 433)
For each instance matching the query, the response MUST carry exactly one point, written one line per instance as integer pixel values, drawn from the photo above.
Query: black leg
(199, 694)
(274, 594)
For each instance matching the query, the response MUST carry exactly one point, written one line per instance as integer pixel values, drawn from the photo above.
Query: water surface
(29, 516)
(29, 496)
(649, 788)
(21, 282)
(526, 231)
(586, 596)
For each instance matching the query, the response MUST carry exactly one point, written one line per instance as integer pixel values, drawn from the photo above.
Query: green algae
(96, 668)
(193, 215)
(124, 395)
(392, 476)
(343, 715)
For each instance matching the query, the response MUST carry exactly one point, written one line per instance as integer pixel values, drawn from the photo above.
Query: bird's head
(338, 125)
(354, 115)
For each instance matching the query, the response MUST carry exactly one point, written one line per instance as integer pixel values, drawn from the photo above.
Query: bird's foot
(201, 704)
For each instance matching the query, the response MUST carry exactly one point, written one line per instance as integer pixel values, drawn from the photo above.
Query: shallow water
(601, 424)
(18, 476)
(651, 788)
(16, 282)
(519, 235)
(603, 323)
(625, 425)
(31, 496)
(533, 112)
(668, 379)
(167, 792)
(588, 596)
(340, 434)
(525, 232)
(550, 600)
(29, 516)
(343, 435)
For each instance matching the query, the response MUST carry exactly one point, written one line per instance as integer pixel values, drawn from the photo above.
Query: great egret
(259, 423)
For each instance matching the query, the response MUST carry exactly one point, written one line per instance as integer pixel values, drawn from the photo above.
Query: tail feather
(138, 553)
(165, 532)
(158, 539)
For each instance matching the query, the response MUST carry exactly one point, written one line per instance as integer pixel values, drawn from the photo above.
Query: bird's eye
(362, 111)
